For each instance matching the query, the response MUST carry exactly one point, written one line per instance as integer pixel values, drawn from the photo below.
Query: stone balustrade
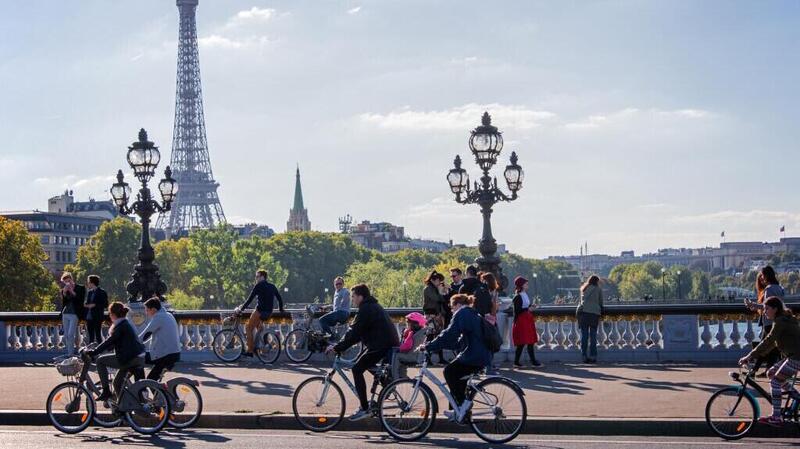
(629, 333)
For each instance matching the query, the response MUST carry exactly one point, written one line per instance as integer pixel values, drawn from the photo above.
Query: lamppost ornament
(486, 144)
(143, 157)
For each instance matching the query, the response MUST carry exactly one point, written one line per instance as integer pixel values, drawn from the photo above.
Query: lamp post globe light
(486, 143)
(143, 157)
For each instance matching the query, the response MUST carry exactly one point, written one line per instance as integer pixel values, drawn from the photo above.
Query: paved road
(29, 438)
(559, 390)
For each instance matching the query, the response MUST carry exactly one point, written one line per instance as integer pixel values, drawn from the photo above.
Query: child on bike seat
(785, 336)
(413, 337)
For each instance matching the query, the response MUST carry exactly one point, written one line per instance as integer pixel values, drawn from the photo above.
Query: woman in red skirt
(523, 332)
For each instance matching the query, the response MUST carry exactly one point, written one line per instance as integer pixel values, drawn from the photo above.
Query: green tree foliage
(181, 300)
(111, 254)
(171, 257)
(250, 255)
(25, 282)
(392, 287)
(210, 263)
(312, 259)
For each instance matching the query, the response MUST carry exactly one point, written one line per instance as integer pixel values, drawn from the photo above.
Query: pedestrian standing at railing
(588, 313)
(72, 297)
(523, 331)
(95, 305)
(492, 289)
(433, 307)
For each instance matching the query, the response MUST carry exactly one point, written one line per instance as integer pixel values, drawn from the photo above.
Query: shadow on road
(164, 439)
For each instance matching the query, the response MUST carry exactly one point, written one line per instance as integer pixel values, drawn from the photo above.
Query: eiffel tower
(197, 204)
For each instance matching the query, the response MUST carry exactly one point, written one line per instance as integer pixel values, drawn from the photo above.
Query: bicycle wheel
(406, 413)
(228, 345)
(187, 405)
(318, 404)
(153, 411)
(498, 411)
(103, 415)
(730, 413)
(70, 407)
(297, 346)
(268, 347)
(352, 353)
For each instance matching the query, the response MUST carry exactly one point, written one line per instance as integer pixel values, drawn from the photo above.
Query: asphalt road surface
(39, 437)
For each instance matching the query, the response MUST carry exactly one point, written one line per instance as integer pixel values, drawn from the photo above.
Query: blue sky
(639, 124)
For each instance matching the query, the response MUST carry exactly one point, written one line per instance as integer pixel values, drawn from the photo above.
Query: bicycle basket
(227, 318)
(69, 367)
(300, 320)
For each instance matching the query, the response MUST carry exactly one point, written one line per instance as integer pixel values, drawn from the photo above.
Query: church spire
(298, 215)
(298, 192)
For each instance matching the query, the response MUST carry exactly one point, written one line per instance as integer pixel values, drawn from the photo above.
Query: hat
(418, 317)
(519, 281)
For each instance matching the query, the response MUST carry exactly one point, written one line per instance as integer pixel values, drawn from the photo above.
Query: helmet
(418, 317)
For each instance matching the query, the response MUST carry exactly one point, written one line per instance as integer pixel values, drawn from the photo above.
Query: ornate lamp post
(486, 143)
(143, 157)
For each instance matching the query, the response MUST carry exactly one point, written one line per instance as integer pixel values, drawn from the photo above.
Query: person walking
(433, 307)
(375, 330)
(767, 286)
(465, 334)
(163, 336)
(340, 311)
(266, 293)
(95, 306)
(523, 332)
(490, 288)
(128, 352)
(588, 313)
(72, 297)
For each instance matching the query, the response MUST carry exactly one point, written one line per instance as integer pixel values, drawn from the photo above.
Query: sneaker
(359, 415)
(774, 421)
(586, 360)
(104, 396)
(492, 372)
(247, 354)
(517, 365)
(450, 415)
(592, 361)
(537, 364)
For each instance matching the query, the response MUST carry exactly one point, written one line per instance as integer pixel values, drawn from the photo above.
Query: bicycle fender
(435, 404)
(172, 383)
(751, 396)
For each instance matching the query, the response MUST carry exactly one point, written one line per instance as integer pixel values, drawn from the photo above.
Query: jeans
(453, 375)
(160, 364)
(106, 361)
(70, 323)
(331, 319)
(367, 360)
(93, 327)
(588, 323)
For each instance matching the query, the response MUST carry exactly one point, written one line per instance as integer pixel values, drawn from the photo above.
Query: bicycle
(184, 397)
(71, 406)
(318, 403)
(305, 340)
(228, 343)
(731, 412)
(494, 407)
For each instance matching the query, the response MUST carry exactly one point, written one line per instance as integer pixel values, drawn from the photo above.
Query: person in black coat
(128, 353)
(95, 306)
(375, 330)
(72, 296)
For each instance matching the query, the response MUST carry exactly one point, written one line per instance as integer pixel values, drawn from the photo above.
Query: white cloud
(627, 114)
(217, 41)
(739, 218)
(353, 11)
(459, 118)
(253, 14)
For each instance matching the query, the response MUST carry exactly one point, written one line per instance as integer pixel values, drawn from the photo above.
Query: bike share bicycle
(494, 408)
(185, 400)
(732, 412)
(318, 403)
(302, 342)
(71, 405)
(228, 343)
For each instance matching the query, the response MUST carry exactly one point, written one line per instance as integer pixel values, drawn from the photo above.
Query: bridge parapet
(629, 333)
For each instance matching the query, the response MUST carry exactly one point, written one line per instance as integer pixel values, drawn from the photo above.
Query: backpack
(483, 299)
(491, 336)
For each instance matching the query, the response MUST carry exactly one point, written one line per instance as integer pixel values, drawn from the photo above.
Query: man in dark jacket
(266, 293)
(128, 351)
(95, 306)
(375, 330)
(473, 286)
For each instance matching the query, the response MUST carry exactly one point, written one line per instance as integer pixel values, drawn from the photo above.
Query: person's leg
(583, 324)
(134, 366)
(532, 354)
(104, 362)
(158, 367)
(94, 327)
(326, 322)
(454, 376)
(253, 324)
(593, 341)
(367, 360)
(70, 324)
(776, 380)
(518, 354)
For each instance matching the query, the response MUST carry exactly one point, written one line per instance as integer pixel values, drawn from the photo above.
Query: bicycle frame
(749, 380)
(424, 372)
(339, 367)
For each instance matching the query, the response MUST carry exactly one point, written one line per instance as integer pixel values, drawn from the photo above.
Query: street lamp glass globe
(458, 180)
(168, 187)
(486, 143)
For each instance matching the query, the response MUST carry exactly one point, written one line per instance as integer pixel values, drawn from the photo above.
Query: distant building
(66, 226)
(298, 215)
(382, 236)
(432, 245)
(253, 229)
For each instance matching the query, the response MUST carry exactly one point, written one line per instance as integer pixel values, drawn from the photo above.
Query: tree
(392, 287)
(210, 263)
(111, 254)
(25, 282)
(171, 257)
(312, 259)
(250, 255)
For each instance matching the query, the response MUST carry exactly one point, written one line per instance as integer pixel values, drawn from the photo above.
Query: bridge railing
(629, 332)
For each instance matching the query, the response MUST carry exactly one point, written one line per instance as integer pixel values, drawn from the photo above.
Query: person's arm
(353, 335)
(278, 297)
(601, 301)
(517, 306)
(253, 294)
(408, 343)
(767, 344)
(448, 338)
(155, 325)
(108, 342)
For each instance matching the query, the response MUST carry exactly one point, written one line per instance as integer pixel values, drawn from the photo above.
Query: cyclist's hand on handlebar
(743, 361)
(329, 349)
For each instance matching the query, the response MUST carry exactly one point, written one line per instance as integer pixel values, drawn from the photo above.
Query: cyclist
(340, 312)
(267, 293)
(375, 330)
(785, 336)
(164, 338)
(128, 351)
(465, 331)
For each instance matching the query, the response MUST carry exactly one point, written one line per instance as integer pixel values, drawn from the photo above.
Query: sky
(640, 125)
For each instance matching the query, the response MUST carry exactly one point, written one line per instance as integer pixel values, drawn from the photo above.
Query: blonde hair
(66, 275)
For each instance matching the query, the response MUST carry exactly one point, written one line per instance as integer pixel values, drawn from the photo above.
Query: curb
(535, 425)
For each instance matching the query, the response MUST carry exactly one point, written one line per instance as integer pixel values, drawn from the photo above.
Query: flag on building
(783, 228)
(722, 234)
